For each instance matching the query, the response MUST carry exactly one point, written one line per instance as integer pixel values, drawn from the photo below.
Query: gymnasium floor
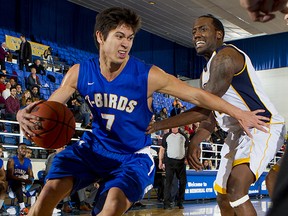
(200, 207)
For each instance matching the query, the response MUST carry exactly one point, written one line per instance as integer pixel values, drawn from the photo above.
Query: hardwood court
(198, 208)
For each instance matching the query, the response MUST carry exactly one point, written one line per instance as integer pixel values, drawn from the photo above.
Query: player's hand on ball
(28, 121)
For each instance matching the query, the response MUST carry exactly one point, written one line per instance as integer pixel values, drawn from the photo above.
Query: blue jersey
(21, 170)
(119, 107)
(1, 163)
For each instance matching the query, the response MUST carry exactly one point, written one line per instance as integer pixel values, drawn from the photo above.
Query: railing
(21, 137)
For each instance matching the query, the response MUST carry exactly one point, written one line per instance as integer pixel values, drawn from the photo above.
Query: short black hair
(110, 18)
(216, 22)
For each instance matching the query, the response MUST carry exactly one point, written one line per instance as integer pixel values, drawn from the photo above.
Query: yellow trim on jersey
(219, 189)
(241, 71)
(276, 167)
(241, 161)
(244, 102)
(266, 147)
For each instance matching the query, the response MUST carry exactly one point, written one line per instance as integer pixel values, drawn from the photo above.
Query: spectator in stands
(33, 79)
(175, 110)
(172, 155)
(28, 101)
(3, 53)
(19, 92)
(163, 114)
(211, 165)
(19, 172)
(26, 94)
(2, 83)
(13, 82)
(3, 183)
(35, 94)
(177, 101)
(6, 93)
(12, 105)
(47, 57)
(39, 67)
(206, 165)
(188, 130)
(25, 53)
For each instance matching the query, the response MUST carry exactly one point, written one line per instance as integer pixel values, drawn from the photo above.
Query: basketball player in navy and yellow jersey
(118, 89)
(229, 74)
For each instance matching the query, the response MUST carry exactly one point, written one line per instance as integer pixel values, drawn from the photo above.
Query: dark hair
(109, 19)
(216, 22)
(21, 144)
(13, 87)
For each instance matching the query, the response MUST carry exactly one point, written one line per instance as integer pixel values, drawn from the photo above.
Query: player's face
(118, 44)
(204, 37)
(22, 150)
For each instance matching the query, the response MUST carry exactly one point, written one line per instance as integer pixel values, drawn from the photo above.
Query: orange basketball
(57, 125)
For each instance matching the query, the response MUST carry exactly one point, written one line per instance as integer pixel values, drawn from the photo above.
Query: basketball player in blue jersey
(229, 74)
(118, 89)
(19, 174)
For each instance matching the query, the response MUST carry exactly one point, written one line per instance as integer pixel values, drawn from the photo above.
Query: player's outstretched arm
(196, 114)
(160, 81)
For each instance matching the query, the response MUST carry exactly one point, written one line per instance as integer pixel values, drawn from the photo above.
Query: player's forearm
(213, 102)
(193, 115)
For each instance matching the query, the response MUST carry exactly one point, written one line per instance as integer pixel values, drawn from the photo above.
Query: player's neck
(111, 70)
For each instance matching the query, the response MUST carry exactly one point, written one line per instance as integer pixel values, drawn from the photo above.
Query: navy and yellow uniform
(246, 93)
(117, 149)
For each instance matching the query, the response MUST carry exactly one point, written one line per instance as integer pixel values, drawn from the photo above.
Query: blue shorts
(88, 162)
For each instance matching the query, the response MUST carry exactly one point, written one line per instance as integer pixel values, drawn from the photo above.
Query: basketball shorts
(257, 152)
(89, 162)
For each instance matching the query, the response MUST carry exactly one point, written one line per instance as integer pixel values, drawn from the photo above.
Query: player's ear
(99, 37)
(219, 34)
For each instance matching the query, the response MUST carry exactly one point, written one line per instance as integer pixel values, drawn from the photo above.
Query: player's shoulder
(228, 50)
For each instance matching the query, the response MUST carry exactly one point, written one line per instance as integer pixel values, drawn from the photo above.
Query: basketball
(57, 125)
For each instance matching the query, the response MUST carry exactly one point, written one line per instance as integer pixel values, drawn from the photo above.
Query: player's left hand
(250, 119)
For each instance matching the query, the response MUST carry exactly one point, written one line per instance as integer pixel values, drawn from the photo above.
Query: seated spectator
(26, 94)
(189, 130)
(28, 101)
(206, 165)
(163, 114)
(35, 94)
(39, 67)
(211, 165)
(33, 80)
(177, 101)
(6, 93)
(19, 92)
(175, 110)
(12, 105)
(2, 83)
(13, 82)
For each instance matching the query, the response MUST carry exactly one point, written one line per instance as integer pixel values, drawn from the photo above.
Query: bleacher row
(68, 55)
